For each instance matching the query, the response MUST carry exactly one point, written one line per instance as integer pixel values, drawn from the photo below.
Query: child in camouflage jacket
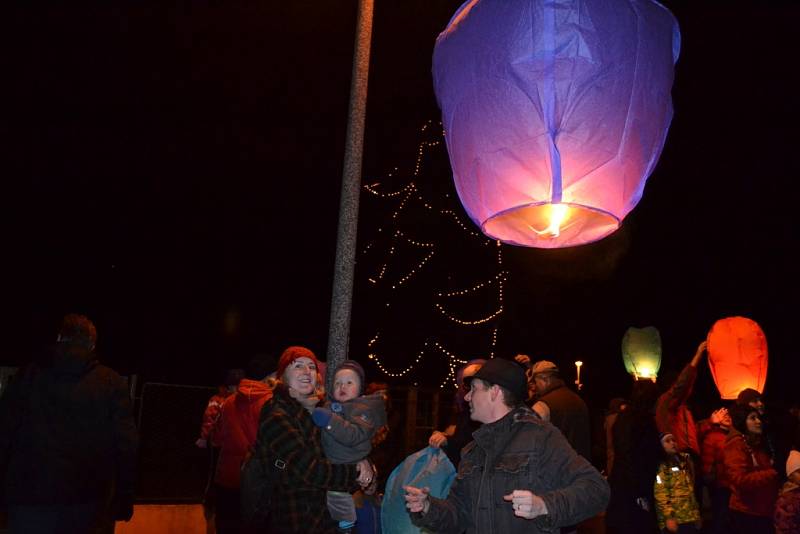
(676, 505)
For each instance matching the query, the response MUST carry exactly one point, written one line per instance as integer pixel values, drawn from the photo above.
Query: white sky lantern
(555, 112)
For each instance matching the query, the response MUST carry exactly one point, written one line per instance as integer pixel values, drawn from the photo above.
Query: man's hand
(437, 439)
(417, 499)
(365, 473)
(201, 443)
(672, 525)
(526, 504)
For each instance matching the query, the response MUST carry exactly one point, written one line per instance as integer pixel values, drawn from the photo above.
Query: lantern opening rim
(585, 224)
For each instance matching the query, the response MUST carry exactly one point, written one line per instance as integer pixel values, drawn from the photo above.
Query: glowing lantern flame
(645, 372)
(558, 215)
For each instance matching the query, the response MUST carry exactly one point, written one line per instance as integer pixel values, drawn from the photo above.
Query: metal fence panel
(171, 467)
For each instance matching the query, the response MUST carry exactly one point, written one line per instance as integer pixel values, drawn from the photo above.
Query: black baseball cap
(504, 373)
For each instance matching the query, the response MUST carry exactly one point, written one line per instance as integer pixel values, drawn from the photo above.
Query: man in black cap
(515, 457)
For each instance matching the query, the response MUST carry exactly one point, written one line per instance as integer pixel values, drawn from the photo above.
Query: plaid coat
(298, 502)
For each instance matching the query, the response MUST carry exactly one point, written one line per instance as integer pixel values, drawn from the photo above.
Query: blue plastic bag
(368, 516)
(430, 468)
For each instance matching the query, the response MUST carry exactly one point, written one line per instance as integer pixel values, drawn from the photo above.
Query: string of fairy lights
(408, 193)
(402, 280)
(498, 279)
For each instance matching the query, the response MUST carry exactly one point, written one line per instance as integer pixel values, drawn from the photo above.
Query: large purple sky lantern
(555, 112)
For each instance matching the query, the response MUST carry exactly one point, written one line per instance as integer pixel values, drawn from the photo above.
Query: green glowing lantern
(641, 352)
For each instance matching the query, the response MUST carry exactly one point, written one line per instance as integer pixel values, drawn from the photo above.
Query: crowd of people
(519, 438)
(662, 465)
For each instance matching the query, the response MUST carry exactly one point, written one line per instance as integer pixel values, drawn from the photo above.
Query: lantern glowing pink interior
(737, 355)
(555, 112)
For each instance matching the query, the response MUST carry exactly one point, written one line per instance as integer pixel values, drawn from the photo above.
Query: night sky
(173, 172)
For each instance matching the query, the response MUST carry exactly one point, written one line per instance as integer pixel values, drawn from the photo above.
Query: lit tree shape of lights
(427, 304)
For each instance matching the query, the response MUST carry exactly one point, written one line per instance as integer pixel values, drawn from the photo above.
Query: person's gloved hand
(321, 417)
(123, 507)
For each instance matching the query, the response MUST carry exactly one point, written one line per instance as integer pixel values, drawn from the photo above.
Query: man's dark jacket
(68, 434)
(519, 451)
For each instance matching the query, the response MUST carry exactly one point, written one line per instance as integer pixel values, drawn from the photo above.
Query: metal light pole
(342, 297)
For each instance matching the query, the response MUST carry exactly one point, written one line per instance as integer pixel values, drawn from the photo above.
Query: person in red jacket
(208, 431)
(714, 475)
(236, 434)
(674, 416)
(214, 407)
(752, 477)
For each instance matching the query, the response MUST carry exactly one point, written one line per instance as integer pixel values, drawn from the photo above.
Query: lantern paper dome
(555, 112)
(641, 352)
(737, 355)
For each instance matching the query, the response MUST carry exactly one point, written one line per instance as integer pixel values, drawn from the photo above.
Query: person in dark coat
(68, 441)
(636, 457)
(562, 407)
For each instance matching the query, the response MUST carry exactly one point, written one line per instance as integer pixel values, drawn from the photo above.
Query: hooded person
(236, 433)
(213, 409)
(751, 397)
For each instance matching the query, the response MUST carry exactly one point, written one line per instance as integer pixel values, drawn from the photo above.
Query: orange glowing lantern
(737, 355)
